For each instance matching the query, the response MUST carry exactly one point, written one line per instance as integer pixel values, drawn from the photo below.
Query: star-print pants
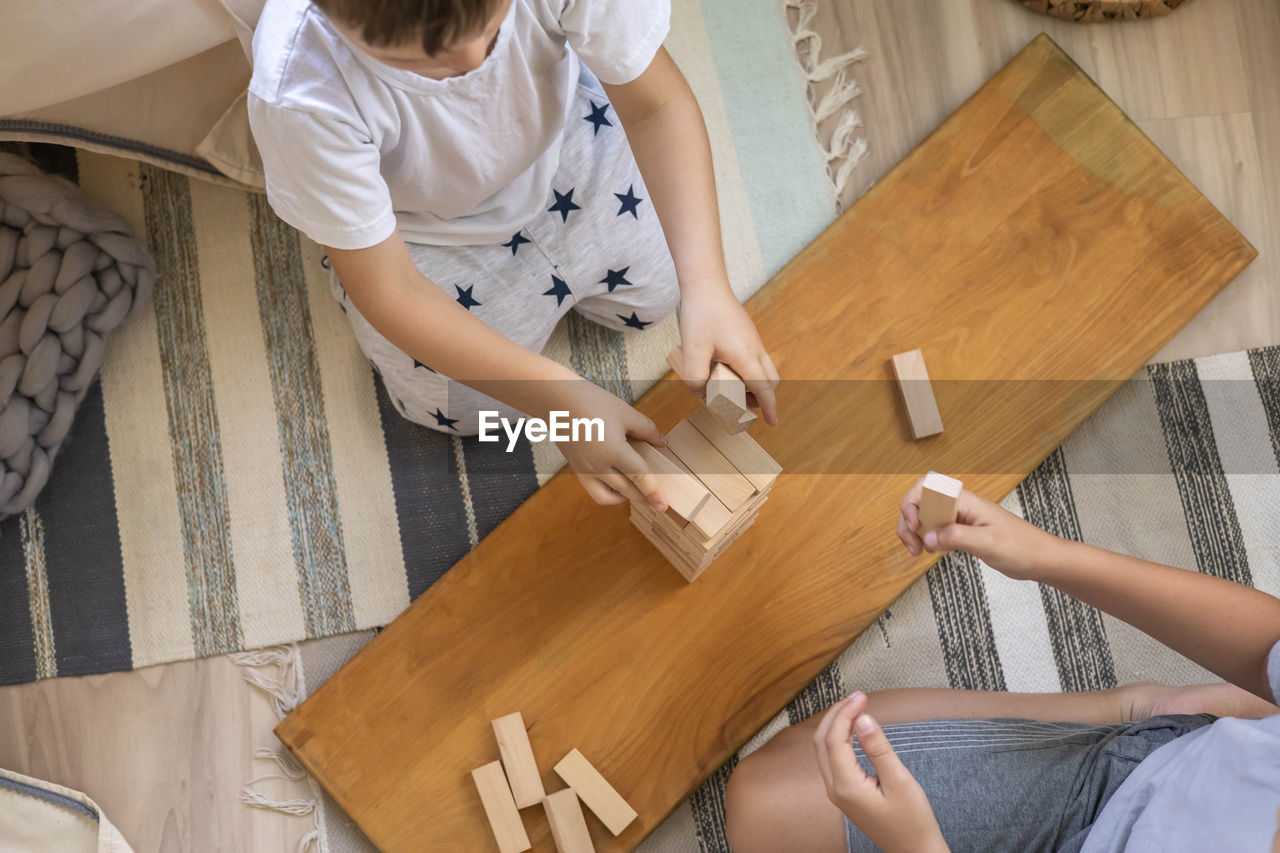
(597, 248)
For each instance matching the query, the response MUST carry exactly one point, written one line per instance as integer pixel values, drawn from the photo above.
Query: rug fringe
(309, 841)
(277, 672)
(274, 671)
(844, 150)
(296, 806)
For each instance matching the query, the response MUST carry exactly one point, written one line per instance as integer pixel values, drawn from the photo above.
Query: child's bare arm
(421, 320)
(669, 140)
(1227, 628)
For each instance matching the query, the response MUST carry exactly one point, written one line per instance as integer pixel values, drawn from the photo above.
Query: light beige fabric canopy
(161, 81)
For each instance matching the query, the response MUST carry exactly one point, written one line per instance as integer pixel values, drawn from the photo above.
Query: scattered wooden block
(938, 501)
(709, 465)
(685, 495)
(917, 393)
(518, 760)
(500, 808)
(595, 791)
(568, 824)
(741, 450)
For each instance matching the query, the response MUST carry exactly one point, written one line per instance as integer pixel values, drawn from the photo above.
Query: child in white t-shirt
(466, 165)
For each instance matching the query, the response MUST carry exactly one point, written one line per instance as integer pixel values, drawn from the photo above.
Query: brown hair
(437, 24)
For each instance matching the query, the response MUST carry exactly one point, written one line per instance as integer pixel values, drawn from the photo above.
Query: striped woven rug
(238, 478)
(1181, 466)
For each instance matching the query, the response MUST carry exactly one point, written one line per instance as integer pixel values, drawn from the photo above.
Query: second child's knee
(747, 799)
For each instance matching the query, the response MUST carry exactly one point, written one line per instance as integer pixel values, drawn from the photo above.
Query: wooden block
(500, 808)
(727, 398)
(659, 530)
(518, 760)
(726, 393)
(675, 360)
(568, 825)
(689, 569)
(709, 465)
(917, 393)
(711, 518)
(740, 449)
(685, 495)
(938, 501)
(734, 525)
(595, 791)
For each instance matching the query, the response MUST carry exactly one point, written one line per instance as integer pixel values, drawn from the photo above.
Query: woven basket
(1097, 11)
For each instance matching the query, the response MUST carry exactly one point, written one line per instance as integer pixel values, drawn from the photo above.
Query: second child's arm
(420, 319)
(1226, 627)
(669, 140)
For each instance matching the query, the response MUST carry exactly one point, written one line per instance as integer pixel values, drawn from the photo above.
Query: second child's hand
(991, 533)
(889, 806)
(1226, 627)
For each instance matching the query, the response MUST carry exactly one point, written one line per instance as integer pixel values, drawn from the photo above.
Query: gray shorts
(597, 249)
(1022, 785)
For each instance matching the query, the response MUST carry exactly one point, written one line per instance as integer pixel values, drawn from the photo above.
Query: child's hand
(610, 470)
(714, 326)
(989, 532)
(890, 808)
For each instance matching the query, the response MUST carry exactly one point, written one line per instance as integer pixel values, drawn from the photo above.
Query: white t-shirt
(354, 148)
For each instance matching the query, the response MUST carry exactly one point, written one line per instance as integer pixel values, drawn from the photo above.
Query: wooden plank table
(1036, 246)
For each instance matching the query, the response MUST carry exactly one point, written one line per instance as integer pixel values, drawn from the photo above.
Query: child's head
(435, 38)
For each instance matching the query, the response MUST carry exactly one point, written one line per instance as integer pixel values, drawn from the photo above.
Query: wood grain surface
(1037, 246)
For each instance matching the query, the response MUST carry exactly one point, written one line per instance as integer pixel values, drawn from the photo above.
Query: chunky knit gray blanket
(70, 273)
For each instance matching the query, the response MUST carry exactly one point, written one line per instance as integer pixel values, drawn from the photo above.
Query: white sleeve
(322, 177)
(617, 39)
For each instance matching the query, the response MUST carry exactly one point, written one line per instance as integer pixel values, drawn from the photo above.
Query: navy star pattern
(615, 278)
(558, 289)
(629, 200)
(564, 204)
(515, 241)
(445, 421)
(597, 117)
(633, 321)
(465, 299)
(417, 364)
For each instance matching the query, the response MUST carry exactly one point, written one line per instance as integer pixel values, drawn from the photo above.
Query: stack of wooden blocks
(715, 477)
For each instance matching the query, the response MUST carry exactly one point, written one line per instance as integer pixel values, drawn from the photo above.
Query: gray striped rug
(1181, 466)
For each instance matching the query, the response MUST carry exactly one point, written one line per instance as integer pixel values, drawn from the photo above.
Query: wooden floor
(166, 750)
